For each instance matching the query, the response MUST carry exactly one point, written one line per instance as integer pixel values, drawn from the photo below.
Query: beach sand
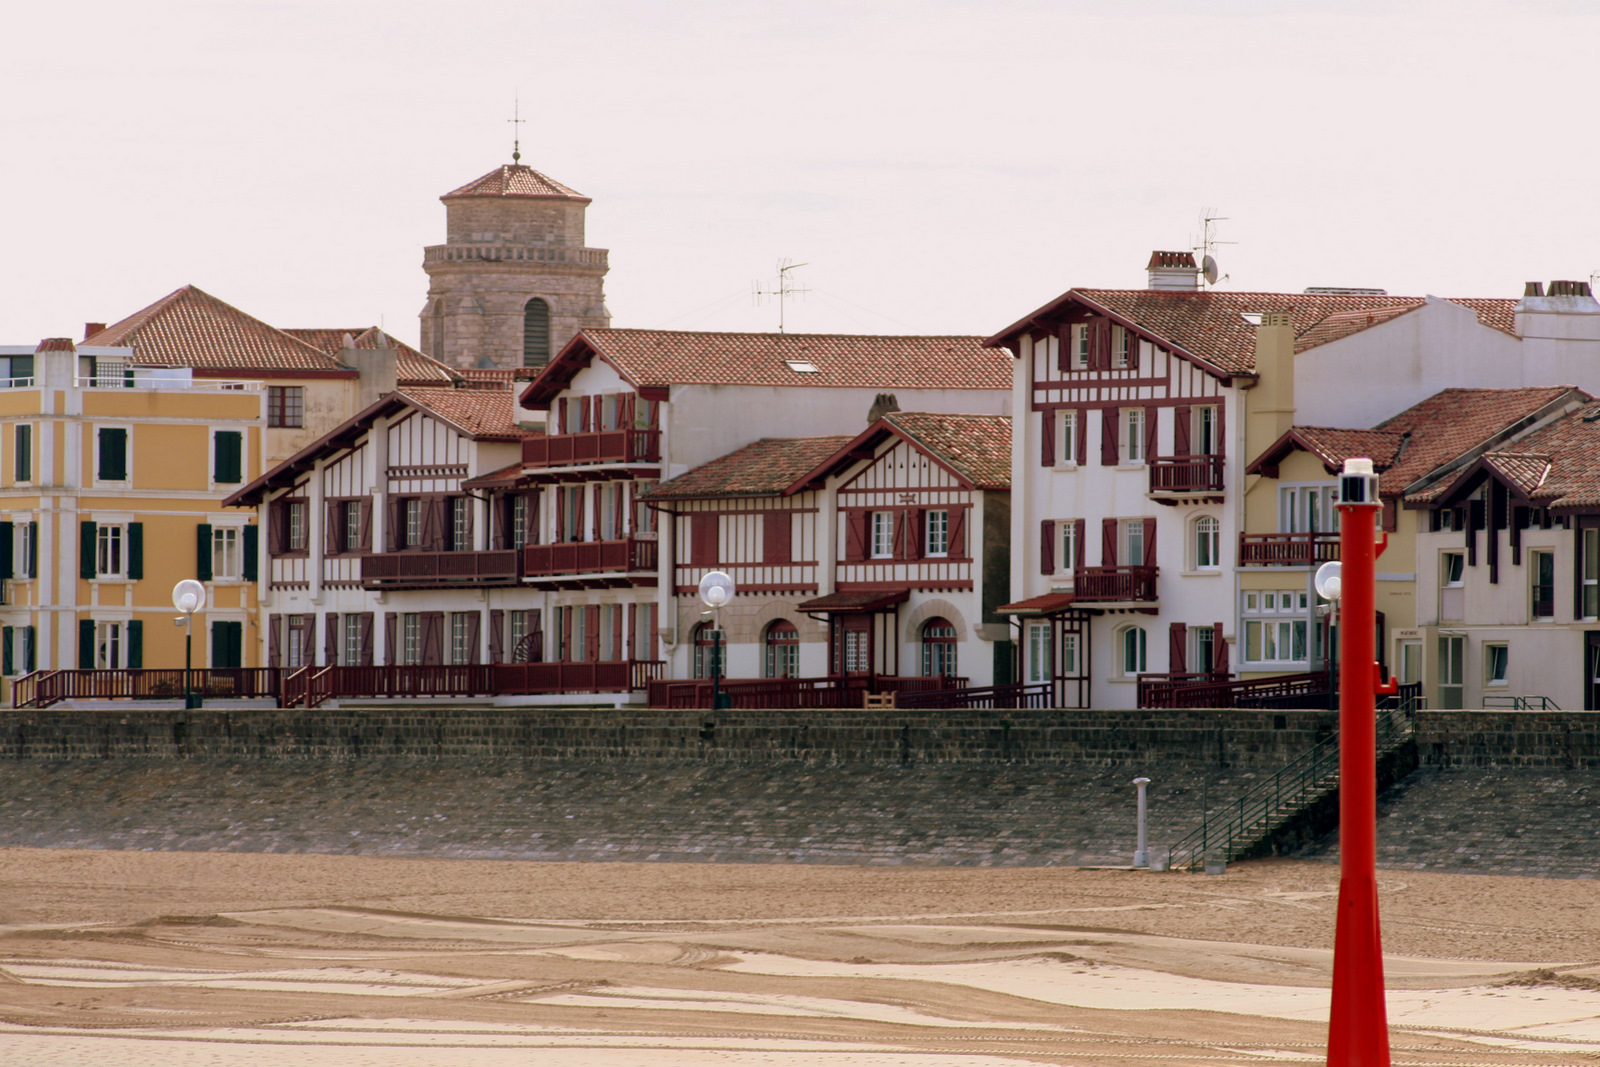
(178, 958)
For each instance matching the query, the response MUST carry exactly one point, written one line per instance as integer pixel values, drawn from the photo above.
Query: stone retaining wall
(1560, 739)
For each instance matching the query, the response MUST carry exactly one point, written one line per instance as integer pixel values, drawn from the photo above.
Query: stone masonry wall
(1559, 739)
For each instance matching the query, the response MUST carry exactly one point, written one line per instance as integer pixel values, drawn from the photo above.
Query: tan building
(513, 282)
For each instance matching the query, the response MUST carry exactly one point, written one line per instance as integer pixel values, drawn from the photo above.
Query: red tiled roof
(847, 603)
(1209, 324)
(978, 447)
(514, 179)
(504, 478)
(1044, 604)
(1571, 448)
(478, 413)
(765, 468)
(413, 365)
(1334, 446)
(55, 344)
(192, 328)
(1524, 471)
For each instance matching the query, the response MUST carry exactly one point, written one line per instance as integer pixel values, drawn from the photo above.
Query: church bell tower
(514, 282)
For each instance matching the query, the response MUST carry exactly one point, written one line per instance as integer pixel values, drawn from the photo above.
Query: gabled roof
(1557, 466)
(661, 358)
(480, 414)
(976, 449)
(514, 179)
(1433, 434)
(1208, 325)
(414, 366)
(767, 467)
(192, 328)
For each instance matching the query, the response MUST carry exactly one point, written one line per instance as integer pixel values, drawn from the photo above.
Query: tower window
(535, 333)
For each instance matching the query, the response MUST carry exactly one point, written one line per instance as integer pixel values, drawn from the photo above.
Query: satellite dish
(1208, 267)
(716, 589)
(1328, 581)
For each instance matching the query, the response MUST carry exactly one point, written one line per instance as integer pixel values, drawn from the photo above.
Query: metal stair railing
(1246, 822)
(1502, 703)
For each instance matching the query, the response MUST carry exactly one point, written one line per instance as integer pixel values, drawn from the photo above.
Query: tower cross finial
(516, 120)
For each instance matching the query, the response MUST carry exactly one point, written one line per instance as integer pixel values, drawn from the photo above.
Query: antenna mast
(516, 120)
(784, 290)
(1208, 240)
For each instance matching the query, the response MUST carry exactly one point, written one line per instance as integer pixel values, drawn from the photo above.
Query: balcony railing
(1186, 474)
(787, 693)
(422, 569)
(1310, 690)
(321, 684)
(41, 689)
(598, 446)
(1114, 583)
(1287, 549)
(588, 557)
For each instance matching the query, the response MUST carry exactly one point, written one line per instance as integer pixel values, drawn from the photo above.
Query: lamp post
(716, 589)
(1141, 853)
(1358, 1029)
(188, 596)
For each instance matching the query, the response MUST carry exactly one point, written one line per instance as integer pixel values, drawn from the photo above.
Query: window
(227, 457)
(1080, 347)
(1207, 543)
(1131, 651)
(535, 333)
(1590, 576)
(882, 534)
(1452, 594)
(297, 534)
(1133, 542)
(1450, 656)
(1133, 425)
(1410, 662)
(523, 641)
(705, 650)
(352, 645)
(1202, 649)
(225, 553)
(23, 454)
(1067, 438)
(109, 645)
(1068, 560)
(783, 650)
(572, 514)
(295, 642)
(110, 551)
(1275, 625)
(227, 644)
(1040, 667)
(1542, 569)
(938, 648)
(1495, 661)
(519, 521)
(856, 647)
(936, 537)
(1452, 568)
(1307, 509)
(412, 510)
(352, 526)
(111, 459)
(26, 562)
(644, 517)
(610, 632)
(286, 406)
(1203, 438)
(1120, 342)
(460, 524)
(411, 641)
(462, 637)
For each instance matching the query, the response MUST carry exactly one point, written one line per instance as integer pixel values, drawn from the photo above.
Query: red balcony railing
(1186, 474)
(41, 689)
(1114, 583)
(597, 446)
(415, 569)
(469, 679)
(588, 557)
(1287, 549)
(1308, 690)
(849, 691)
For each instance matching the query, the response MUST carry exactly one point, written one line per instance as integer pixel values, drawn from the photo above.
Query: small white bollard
(1141, 854)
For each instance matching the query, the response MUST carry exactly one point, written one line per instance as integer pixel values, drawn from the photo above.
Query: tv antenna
(1208, 240)
(784, 290)
(516, 120)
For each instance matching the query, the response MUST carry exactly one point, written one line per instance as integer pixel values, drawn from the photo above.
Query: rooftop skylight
(801, 366)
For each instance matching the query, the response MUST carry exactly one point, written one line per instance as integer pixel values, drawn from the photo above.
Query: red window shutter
(591, 633)
(1149, 543)
(898, 548)
(1108, 542)
(391, 638)
(1080, 530)
(561, 514)
(1110, 423)
(333, 531)
(365, 626)
(497, 635)
(1181, 419)
(585, 414)
(1081, 453)
(655, 653)
(703, 546)
(776, 537)
(566, 634)
(1047, 547)
(274, 653)
(1150, 416)
(579, 533)
(1391, 514)
(1100, 344)
(916, 528)
(1133, 348)
(633, 633)
(1047, 438)
(617, 651)
(474, 623)
(330, 639)
(364, 520)
(1177, 647)
(561, 417)
(958, 533)
(855, 535)
(432, 637)
(1064, 351)
(1219, 651)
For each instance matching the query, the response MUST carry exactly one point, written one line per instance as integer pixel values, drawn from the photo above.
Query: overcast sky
(941, 166)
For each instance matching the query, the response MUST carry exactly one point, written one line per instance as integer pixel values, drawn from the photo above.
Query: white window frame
(410, 638)
(1307, 507)
(226, 543)
(23, 547)
(1205, 542)
(1041, 653)
(1203, 439)
(460, 650)
(1496, 664)
(1588, 572)
(1080, 347)
(1133, 436)
(1202, 648)
(936, 532)
(1459, 568)
(298, 536)
(111, 546)
(350, 653)
(644, 516)
(460, 524)
(411, 515)
(33, 453)
(110, 643)
(1534, 557)
(880, 535)
(516, 629)
(352, 526)
(1067, 561)
(1067, 437)
(1452, 650)
(293, 648)
(1132, 547)
(1121, 341)
(1272, 623)
(1132, 651)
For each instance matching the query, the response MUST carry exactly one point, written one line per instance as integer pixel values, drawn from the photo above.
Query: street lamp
(716, 589)
(188, 596)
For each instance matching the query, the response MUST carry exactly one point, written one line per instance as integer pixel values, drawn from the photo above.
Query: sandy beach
(185, 958)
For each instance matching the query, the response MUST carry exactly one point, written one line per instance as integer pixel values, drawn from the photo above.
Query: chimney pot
(92, 328)
(1173, 270)
(1533, 288)
(1569, 288)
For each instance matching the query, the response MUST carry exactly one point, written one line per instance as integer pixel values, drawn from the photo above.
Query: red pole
(1358, 1031)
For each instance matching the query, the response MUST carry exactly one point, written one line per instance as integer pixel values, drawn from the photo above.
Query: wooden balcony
(596, 446)
(628, 556)
(1114, 584)
(1287, 549)
(1186, 475)
(1310, 690)
(314, 686)
(424, 570)
(849, 691)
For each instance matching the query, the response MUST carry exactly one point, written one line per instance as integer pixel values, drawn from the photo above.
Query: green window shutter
(252, 545)
(229, 464)
(24, 454)
(86, 543)
(10, 664)
(136, 643)
(33, 550)
(30, 644)
(86, 644)
(202, 552)
(135, 550)
(7, 549)
(113, 455)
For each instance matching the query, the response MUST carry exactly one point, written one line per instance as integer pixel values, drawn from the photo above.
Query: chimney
(1533, 288)
(1173, 270)
(1564, 310)
(1270, 404)
(882, 404)
(92, 328)
(378, 366)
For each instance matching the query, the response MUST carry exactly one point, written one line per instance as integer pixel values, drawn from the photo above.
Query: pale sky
(942, 166)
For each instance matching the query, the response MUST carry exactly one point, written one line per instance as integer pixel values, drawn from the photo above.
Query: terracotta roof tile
(414, 366)
(514, 179)
(670, 357)
(764, 468)
(1450, 424)
(978, 447)
(1334, 446)
(1526, 471)
(1571, 446)
(478, 413)
(192, 328)
(504, 478)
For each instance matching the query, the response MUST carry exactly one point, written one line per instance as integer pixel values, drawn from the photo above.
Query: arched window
(1130, 651)
(535, 333)
(783, 650)
(938, 648)
(1207, 543)
(704, 650)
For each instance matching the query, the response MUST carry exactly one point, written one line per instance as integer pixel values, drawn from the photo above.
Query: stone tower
(513, 283)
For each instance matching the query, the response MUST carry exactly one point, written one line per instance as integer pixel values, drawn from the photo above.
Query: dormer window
(801, 366)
